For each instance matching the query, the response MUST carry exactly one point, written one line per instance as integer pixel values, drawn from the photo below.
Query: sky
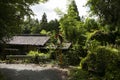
(49, 8)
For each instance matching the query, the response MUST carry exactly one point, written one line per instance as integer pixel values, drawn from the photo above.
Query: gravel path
(32, 72)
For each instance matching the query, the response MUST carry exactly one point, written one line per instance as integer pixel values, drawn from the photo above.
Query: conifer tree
(44, 22)
(73, 10)
(70, 24)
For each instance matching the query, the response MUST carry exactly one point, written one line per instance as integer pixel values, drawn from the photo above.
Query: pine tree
(44, 22)
(73, 10)
(70, 24)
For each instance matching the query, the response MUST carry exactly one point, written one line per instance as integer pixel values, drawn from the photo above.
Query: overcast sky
(49, 7)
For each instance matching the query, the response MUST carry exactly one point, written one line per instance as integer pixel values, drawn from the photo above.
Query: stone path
(32, 72)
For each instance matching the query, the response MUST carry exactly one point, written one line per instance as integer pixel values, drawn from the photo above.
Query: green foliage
(34, 53)
(74, 31)
(92, 45)
(103, 63)
(117, 41)
(107, 10)
(12, 15)
(73, 11)
(74, 55)
(78, 74)
(88, 37)
(104, 37)
(53, 25)
(44, 32)
(111, 61)
(31, 26)
(90, 34)
(72, 58)
(38, 56)
(53, 38)
(71, 26)
(44, 22)
(90, 24)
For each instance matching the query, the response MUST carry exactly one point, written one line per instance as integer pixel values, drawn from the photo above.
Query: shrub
(78, 74)
(107, 59)
(38, 56)
(75, 54)
(34, 53)
(103, 63)
(72, 57)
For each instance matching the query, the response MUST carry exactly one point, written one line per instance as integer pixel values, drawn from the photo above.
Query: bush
(103, 63)
(72, 58)
(34, 53)
(38, 56)
(78, 74)
(107, 59)
(75, 54)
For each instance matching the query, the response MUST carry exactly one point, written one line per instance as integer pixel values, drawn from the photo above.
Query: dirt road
(32, 72)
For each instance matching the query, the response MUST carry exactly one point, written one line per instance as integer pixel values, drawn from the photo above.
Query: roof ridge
(30, 35)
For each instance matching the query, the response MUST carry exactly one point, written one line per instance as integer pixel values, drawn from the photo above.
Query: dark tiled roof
(64, 46)
(29, 40)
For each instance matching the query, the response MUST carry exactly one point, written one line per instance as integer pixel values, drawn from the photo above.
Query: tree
(44, 22)
(36, 28)
(73, 10)
(91, 24)
(12, 14)
(107, 10)
(31, 26)
(70, 24)
(53, 25)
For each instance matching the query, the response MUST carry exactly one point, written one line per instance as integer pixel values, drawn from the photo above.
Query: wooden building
(21, 44)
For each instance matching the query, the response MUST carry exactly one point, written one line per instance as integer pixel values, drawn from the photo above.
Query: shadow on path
(47, 74)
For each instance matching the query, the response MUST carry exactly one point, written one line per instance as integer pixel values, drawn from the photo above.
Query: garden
(94, 53)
